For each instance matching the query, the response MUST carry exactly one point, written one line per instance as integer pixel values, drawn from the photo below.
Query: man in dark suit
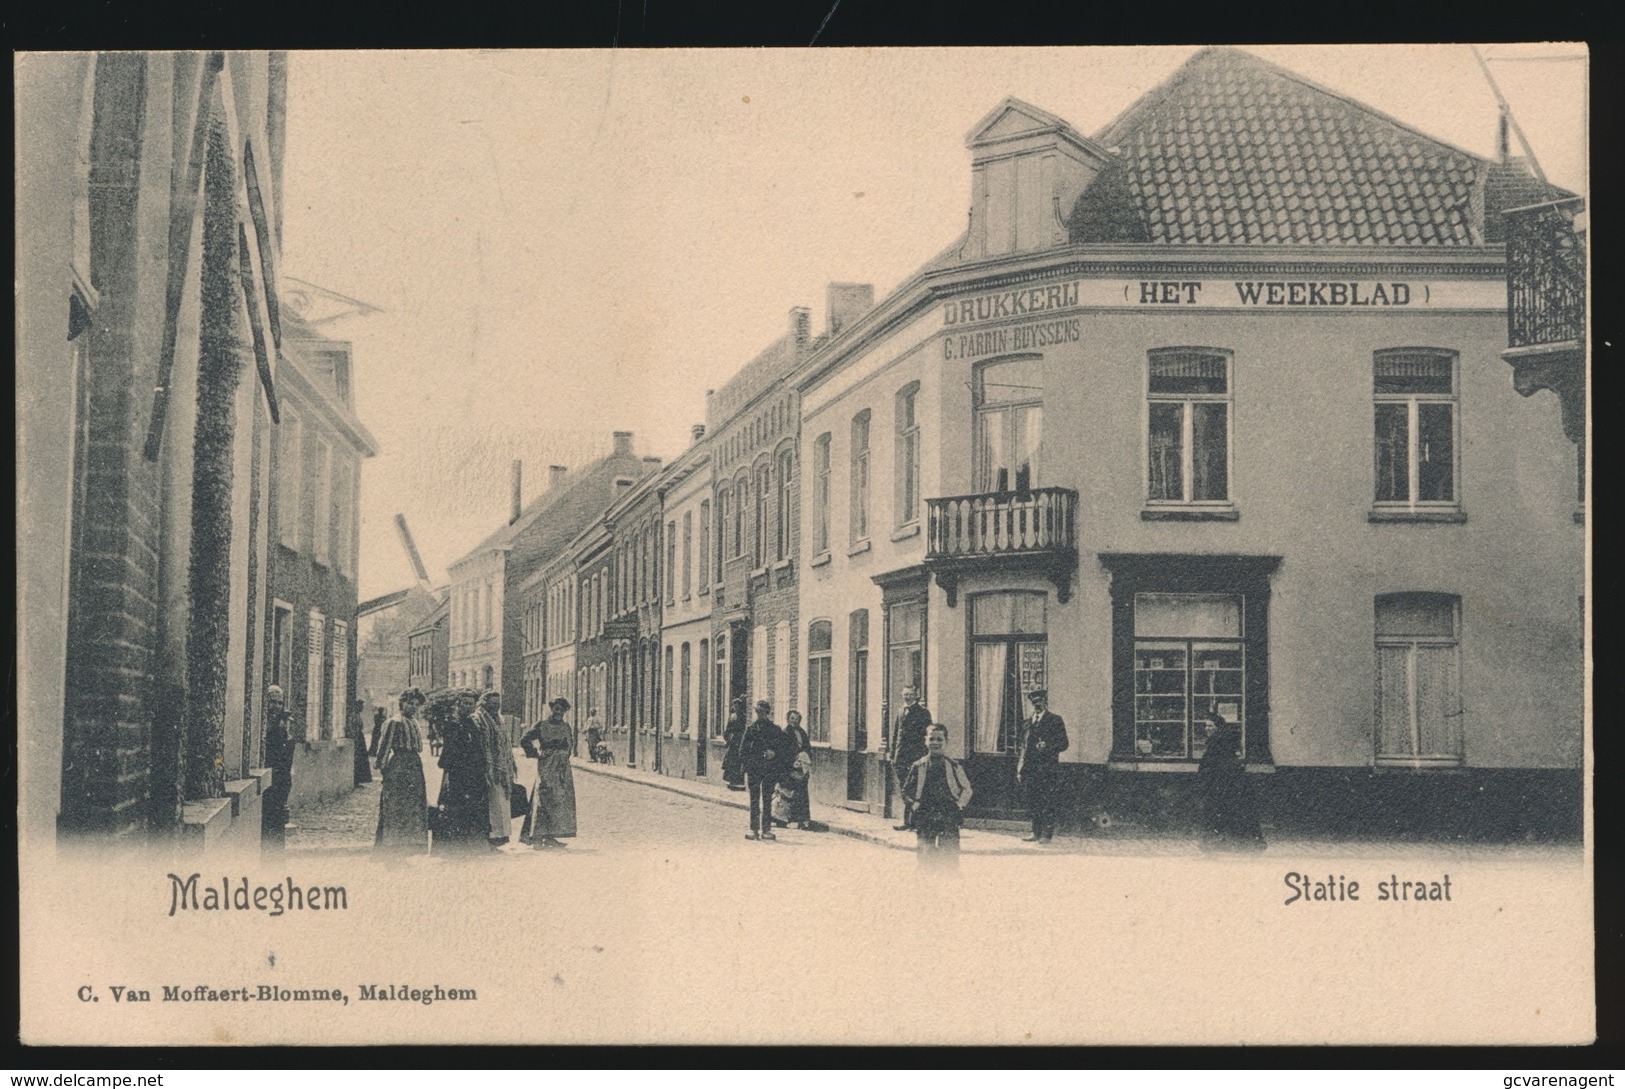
(1038, 767)
(908, 746)
(763, 751)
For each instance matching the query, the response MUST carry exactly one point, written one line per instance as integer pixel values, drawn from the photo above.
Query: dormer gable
(1027, 168)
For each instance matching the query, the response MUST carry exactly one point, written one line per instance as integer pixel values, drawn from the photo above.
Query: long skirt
(464, 821)
(402, 828)
(363, 768)
(790, 801)
(553, 806)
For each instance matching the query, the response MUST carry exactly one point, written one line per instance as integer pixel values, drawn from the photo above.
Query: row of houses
(1210, 412)
(188, 456)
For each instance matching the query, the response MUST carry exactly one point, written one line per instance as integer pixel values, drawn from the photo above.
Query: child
(938, 789)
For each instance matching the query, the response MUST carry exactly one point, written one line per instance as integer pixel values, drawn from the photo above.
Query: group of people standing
(774, 764)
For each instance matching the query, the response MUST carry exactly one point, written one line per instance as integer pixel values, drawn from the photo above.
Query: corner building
(1204, 414)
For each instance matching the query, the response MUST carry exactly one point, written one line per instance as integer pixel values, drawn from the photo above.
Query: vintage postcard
(869, 546)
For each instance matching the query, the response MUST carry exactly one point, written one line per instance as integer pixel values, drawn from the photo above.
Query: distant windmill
(411, 547)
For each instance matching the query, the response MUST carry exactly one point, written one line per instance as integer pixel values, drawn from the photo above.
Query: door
(1008, 660)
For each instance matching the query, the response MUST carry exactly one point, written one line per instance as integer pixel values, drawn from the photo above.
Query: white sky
(571, 243)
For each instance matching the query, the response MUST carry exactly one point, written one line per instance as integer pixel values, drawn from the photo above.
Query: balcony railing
(1040, 525)
(1546, 299)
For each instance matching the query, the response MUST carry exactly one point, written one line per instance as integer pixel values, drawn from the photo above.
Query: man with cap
(279, 748)
(763, 750)
(1038, 767)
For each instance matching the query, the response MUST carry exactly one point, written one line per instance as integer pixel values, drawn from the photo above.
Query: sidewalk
(870, 827)
(984, 841)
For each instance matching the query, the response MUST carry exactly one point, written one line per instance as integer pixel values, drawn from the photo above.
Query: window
(703, 712)
(907, 464)
(339, 700)
(760, 525)
(322, 474)
(819, 638)
(488, 679)
(905, 650)
(1418, 679)
(705, 547)
(671, 563)
(858, 685)
(668, 689)
(687, 689)
(783, 693)
(490, 610)
(736, 533)
(315, 673)
(1188, 428)
(719, 689)
(1009, 399)
(821, 494)
(290, 475)
(1415, 394)
(1188, 664)
(1008, 647)
(758, 665)
(688, 554)
(782, 515)
(859, 526)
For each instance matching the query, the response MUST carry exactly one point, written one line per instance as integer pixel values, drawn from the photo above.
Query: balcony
(1546, 305)
(1035, 530)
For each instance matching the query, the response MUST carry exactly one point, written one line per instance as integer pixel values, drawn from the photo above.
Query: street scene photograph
(857, 546)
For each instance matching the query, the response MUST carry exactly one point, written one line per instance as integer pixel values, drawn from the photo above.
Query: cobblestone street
(628, 810)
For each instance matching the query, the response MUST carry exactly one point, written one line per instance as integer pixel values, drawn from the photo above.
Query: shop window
(820, 635)
(1415, 413)
(1188, 427)
(1008, 652)
(821, 494)
(1009, 399)
(1189, 663)
(1418, 699)
(907, 455)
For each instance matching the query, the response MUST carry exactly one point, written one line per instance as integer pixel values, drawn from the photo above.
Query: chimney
(518, 503)
(623, 443)
(847, 303)
(555, 475)
(697, 432)
(801, 326)
(1027, 169)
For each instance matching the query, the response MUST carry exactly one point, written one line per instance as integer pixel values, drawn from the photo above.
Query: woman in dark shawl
(553, 805)
(1229, 812)
(464, 818)
(402, 828)
(356, 731)
(733, 760)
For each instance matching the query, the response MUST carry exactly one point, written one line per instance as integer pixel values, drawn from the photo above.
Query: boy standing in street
(938, 791)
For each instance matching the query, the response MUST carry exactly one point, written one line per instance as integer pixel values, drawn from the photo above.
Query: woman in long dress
(1229, 811)
(796, 777)
(464, 814)
(402, 804)
(553, 806)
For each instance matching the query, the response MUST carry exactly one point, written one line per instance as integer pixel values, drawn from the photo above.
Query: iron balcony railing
(1546, 275)
(1001, 524)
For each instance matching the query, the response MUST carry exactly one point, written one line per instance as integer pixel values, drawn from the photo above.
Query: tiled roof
(1233, 150)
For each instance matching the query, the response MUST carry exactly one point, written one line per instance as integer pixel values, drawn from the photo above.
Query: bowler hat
(763, 705)
(559, 701)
